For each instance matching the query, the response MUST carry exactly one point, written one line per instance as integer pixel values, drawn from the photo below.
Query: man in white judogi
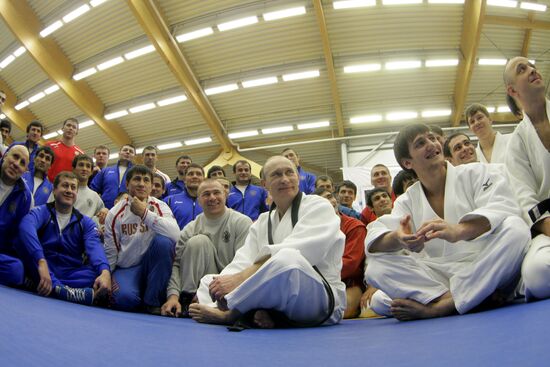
(453, 239)
(528, 162)
(280, 276)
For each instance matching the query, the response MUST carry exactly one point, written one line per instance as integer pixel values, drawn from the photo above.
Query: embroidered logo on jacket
(226, 236)
(487, 184)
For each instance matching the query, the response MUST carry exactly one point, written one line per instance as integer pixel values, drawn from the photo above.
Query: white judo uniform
(287, 281)
(470, 270)
(528, 164)
(500, 149)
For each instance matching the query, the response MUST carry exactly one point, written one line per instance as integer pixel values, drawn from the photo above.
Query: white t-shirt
(5, 190)
(62, 220)
(37, 182)
(121, 171)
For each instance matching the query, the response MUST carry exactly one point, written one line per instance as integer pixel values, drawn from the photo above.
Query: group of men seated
(449, 235)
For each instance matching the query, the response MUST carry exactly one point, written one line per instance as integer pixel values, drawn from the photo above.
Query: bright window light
(139, 52)
(221, 89)
(439, 63)
(114, 115)
(50, 135)
(76, 13)
(22, 105)
(279, 129)
(167, 146)
(143, 107)
(260, 82)
(37, 97)
(198, 141)
(51, 28)
(313, 125)
(503, 109)
(403, 115)
(85, 73)
(54, 88)
(348, 4)
(184, 37)
(445, 1)
(237, 23)
(490, 109)
(400, 65)
(363, 68)
(503, 3)
(493, 62)
(291, 12)
(436, 113)
(20, 51)
(171, 100)
(113, 156)
(532, 6)
(85, 124)
(8, 60)
(110, 63)
(366, 118)
(301, 75)
(242, 134)
(95, 3)
(401, 2)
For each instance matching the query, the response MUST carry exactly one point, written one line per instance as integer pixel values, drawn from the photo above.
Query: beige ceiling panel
(48, 8)
(23, 74)
(500, 41)
(181, 10)
(540, 41)
(7, 40)
(53, 109)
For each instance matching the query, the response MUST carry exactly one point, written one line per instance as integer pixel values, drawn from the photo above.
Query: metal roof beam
(517, 22)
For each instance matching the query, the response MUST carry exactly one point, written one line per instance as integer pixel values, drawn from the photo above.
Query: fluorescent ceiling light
(243, 134)
(237, 23)
(279, 129)
(22, 105)
(403, 115)
(139, 150)
(503, 3)
(445, 1)
(95, 3)
(85, 73)
(442, 62)
(59, 132)
(503, 109)
(52, 89)
(50, 135)
(259, 82)
(76, 13)
(221, 89)
(198, 141)
(401, 2)
(114, 115)
(490, 109)
(110, 63)
(2, 116)
(143, 107)
(313, 125)
(291, 12)
(492, 61)
(366, 118)
(532, 6)
(85, 124)
(194, 35)
(8, 60)
(301, 75)
(347, 4)
(113, 156)
(171, 100)
(20, 51)
(167, 146)
(532, 61)
(139, 52)
(51, 28)
(37, 97)
(436, 113)
(362, 68)
(399, 65)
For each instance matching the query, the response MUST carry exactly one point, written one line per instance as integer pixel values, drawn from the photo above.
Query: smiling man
(65, 149)
(288, 270)
(206, 246)
(185, 205)
(453, 239)
(36, 178)
(35, 129)
(459, 149)
(379, 177)
(88, 201)
(244, 197)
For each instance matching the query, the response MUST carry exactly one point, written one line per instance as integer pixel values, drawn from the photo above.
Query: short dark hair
(213, 169)
(127, 145)
(405, 136)
(138, 169)
(102, 147)
(447, 146)
(148, 147)
(82, 157)
(46, 149)
(437, 130)
(320, 191)
(347, 183)
(6, 124)
(35, 124)
(156, 175)
(195, 165)
(241, 161)
(399, 179)
(324, 178)
(371, 193)
(63, 174)
(183, 157)
(474, 108)
(287, 149)
(71, 119)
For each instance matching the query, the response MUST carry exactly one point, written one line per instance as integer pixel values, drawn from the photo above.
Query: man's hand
(102, 284)
(438, 228)
(407, 239)
(543, 226)
(137, 206)
(172, 307)
(102, 214)
(367, 295)
(45, 285)
(223, 285)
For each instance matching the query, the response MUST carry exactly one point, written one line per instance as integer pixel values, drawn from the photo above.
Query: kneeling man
(453, 240)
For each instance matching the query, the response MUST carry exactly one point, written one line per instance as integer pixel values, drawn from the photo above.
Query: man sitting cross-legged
(272, 278)
(206, 246)
(453, 240)
(61, 247)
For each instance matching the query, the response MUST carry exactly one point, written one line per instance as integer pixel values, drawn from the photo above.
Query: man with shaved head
(288, 271)
(528, 160)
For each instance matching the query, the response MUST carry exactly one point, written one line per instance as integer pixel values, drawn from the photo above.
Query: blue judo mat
(37, 331)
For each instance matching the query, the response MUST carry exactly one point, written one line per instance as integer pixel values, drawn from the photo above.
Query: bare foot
(263, 320)
(211, 315)
(407, 309)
